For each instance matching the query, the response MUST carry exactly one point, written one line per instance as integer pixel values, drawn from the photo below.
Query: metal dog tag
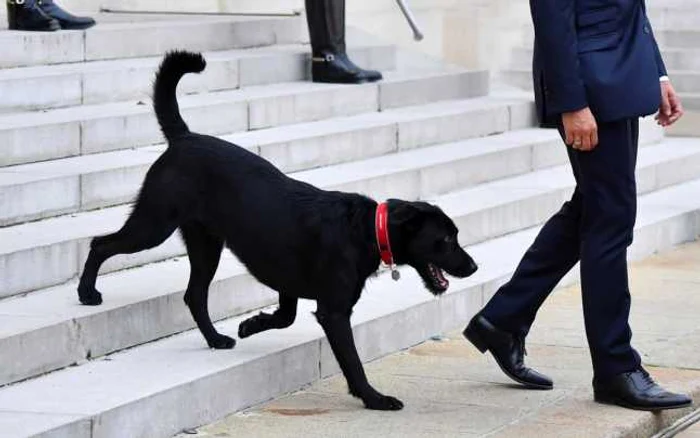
(395, 274)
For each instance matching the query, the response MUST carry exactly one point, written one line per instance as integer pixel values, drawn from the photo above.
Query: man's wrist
(664, 79)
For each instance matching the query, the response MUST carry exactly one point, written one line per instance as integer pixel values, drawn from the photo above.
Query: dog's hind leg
(338, 330)
(283, 317)
(204, 251)
(142, 230)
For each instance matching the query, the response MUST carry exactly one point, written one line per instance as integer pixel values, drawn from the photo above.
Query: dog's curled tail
(174, 66)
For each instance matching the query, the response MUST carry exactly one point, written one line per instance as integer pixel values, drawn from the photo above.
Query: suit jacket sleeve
(555, 32)
(659, 60)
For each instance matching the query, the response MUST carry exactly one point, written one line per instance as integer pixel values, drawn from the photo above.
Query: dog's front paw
(249, 327)
(90, 297)
(221, 342)
(384, 403)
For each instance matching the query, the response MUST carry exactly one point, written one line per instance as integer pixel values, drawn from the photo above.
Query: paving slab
(692, 432)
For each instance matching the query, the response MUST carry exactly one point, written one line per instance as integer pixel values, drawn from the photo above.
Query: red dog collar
(381, 226)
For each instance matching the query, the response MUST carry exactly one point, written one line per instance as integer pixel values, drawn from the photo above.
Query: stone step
(673, 16)
(686, 81)
(683, 59)
(87, 129)
(683, 81)
(59, 245)
(124, 37)
(688, 38)
(689, 124)
(41, 190)
(528, 200)
(483, 212)
(691, 101)
(140, 392)
(89, 83)
(347, 139)
(521, 78)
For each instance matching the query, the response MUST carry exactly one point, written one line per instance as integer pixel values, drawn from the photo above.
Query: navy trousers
(595, 227)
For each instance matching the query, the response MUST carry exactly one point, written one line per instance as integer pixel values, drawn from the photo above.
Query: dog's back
(276, 225)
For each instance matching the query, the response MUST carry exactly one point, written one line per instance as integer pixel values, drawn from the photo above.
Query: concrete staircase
(77, 135)
(676, 27)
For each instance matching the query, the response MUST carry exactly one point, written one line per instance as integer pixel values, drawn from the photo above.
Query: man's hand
(581, 129)
(671, 109)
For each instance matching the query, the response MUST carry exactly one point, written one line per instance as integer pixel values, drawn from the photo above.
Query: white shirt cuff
(664, 79)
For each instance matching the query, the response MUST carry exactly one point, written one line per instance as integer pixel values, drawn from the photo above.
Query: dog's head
(425, 238)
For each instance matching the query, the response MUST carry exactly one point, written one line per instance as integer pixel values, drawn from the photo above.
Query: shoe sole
(614, 401)
(483, 348)
(77, 27)
(47, 29)
(330, 81)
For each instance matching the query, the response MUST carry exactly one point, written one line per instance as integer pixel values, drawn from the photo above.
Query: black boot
(27, 15)
(508, 350)
(637, 390)
(330, 63)
(67, 20)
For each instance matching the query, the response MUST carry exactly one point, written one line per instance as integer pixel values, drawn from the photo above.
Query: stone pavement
(451, 390)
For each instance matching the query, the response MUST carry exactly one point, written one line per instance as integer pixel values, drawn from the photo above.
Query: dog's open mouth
(435, 279)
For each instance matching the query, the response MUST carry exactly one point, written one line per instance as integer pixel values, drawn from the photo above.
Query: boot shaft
(326, 21)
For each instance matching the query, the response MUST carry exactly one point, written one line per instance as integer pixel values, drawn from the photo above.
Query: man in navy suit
(597, 69)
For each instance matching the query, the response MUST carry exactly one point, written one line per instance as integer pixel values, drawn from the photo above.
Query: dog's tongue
(441, 278)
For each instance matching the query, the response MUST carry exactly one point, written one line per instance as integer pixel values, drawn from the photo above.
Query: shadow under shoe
(508, 350)
(26, 15)
(637, 390)
(338, 69)
(66, 20)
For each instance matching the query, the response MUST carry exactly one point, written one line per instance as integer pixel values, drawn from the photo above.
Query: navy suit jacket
(596, 53)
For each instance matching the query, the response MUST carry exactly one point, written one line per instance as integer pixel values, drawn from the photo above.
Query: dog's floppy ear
(407, 215)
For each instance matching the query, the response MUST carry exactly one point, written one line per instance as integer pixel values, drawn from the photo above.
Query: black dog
(299, 240)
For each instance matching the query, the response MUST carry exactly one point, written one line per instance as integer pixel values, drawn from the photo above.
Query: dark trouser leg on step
(330, 63)
(283, 317)
(555, 251)
(608, 185)
(326, 21)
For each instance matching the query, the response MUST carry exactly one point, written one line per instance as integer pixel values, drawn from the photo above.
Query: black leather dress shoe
(337, 68)
(27, 15)
(508, 350)
(637, 390)
(65, 19)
